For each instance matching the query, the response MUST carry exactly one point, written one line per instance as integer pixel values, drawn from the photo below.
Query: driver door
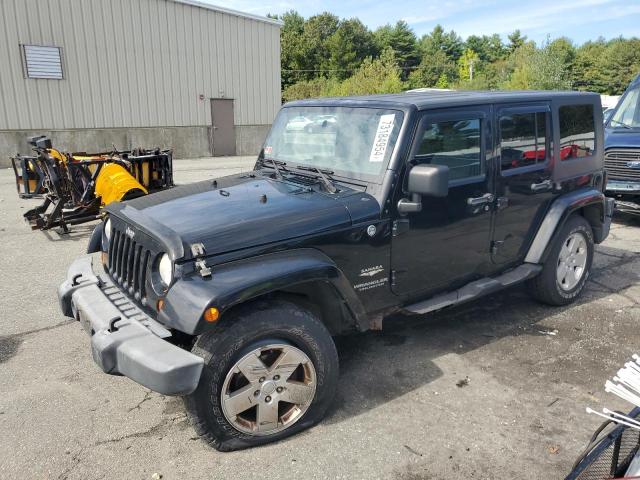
(447, 243)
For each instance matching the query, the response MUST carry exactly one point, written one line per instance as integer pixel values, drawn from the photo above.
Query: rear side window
(577, 131)
(454, 143)
(523, 139)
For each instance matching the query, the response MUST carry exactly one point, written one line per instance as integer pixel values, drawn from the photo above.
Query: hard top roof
(440, 99)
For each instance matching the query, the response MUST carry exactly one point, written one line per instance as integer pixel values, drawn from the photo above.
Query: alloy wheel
(572, 261)
(268, 389)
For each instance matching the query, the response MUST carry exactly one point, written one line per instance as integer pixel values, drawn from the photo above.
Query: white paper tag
(381, 140)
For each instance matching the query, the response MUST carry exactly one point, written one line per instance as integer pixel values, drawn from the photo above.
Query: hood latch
(197, 250)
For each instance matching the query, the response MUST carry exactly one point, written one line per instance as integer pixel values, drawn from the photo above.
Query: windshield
(351, 142)
(628, 113)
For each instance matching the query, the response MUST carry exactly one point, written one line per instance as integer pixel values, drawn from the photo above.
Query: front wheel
(567, 268)
(270, 372)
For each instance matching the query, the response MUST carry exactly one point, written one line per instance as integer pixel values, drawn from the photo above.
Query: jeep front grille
(127, 264)
(616, 162)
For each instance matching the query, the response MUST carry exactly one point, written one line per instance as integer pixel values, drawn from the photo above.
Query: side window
(454, 143)
(577, 131)
(523, 139)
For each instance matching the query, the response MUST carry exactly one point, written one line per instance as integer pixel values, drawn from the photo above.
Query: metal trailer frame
(608, 454)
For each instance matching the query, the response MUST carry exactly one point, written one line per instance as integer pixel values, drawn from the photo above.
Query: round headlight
(107, 229)
(165, 269)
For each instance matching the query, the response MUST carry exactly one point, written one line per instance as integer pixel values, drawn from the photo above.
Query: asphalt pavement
(494, 389)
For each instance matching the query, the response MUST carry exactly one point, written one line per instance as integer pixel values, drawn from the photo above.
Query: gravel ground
(398, 412)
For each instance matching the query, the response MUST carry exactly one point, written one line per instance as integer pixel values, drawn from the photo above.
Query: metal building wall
(136, 63)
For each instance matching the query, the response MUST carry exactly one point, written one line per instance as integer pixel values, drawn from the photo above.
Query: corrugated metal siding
(136, 63)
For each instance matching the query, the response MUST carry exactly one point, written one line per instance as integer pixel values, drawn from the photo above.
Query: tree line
(324, 55)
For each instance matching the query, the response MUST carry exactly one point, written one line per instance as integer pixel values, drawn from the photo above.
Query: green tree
(348, 46)
(564, 49)
(293, 55)
(325, 54)
(435, 70)
(538, 69)
(488, 48)
(443, 81)
(439, 40)
(304, 89)
(467, 63)
(587, 66)
(620, 64)
(516, 40)
(606, 67)
(401, 39)
(381, 75)
(317, 31)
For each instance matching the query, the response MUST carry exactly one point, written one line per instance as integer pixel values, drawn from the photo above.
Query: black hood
(243, 211)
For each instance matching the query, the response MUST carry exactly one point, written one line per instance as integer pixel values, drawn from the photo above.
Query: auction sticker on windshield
(381, 140)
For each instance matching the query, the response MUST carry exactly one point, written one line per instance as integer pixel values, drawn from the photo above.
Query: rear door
(523, 180)
(447, 243)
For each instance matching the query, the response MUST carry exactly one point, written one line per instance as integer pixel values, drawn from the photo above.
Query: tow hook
(197, 250)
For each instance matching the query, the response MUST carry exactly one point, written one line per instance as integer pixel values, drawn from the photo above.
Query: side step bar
(475, 289)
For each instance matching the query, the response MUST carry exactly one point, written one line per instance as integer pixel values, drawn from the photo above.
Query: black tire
(545, 287)
(250, 327)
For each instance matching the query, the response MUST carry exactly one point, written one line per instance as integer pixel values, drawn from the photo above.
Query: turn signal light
(160, 304)
(211, 314)
(104, 256)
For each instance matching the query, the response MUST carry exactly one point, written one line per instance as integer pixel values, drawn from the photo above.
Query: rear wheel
(567, 268)
(269, 373)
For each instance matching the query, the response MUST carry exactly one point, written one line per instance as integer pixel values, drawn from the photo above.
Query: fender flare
(95, 241)
(558, 214)
(239, 281)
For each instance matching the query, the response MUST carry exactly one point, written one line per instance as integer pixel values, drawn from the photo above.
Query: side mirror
(431, 180)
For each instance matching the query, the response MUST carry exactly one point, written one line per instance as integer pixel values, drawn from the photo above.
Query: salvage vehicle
(229, 292)
(622, 151)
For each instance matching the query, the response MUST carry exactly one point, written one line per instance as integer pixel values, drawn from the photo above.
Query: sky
(579, 20)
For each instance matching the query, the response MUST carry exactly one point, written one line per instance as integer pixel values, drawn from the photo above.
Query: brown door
(223, 136)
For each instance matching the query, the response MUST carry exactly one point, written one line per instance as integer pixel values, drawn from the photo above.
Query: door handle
(541, 187)
(483, 200)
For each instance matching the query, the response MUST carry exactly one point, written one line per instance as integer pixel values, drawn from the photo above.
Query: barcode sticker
(381, 140)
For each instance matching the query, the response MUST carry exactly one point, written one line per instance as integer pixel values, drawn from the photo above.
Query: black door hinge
(400, 227)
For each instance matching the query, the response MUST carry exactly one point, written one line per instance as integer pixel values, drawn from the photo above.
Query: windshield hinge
(197, 250)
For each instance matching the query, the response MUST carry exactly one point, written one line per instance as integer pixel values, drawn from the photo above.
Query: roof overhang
(230, 11)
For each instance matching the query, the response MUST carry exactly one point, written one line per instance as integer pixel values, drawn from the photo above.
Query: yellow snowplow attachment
(114, 184)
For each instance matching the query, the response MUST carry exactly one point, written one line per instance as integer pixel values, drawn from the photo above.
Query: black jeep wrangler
(229, 291)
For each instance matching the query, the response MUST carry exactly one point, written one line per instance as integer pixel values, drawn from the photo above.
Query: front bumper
(627, 195)
(124, 339)
(623, 187)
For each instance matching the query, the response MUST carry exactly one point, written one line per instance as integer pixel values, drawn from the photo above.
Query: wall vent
(42, 62)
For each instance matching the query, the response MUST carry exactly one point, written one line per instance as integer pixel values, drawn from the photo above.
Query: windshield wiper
(321, 175)
(622, 124)
(276, 165)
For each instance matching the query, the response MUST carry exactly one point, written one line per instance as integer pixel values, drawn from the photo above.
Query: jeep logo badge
(130, 233)
(634, 165)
